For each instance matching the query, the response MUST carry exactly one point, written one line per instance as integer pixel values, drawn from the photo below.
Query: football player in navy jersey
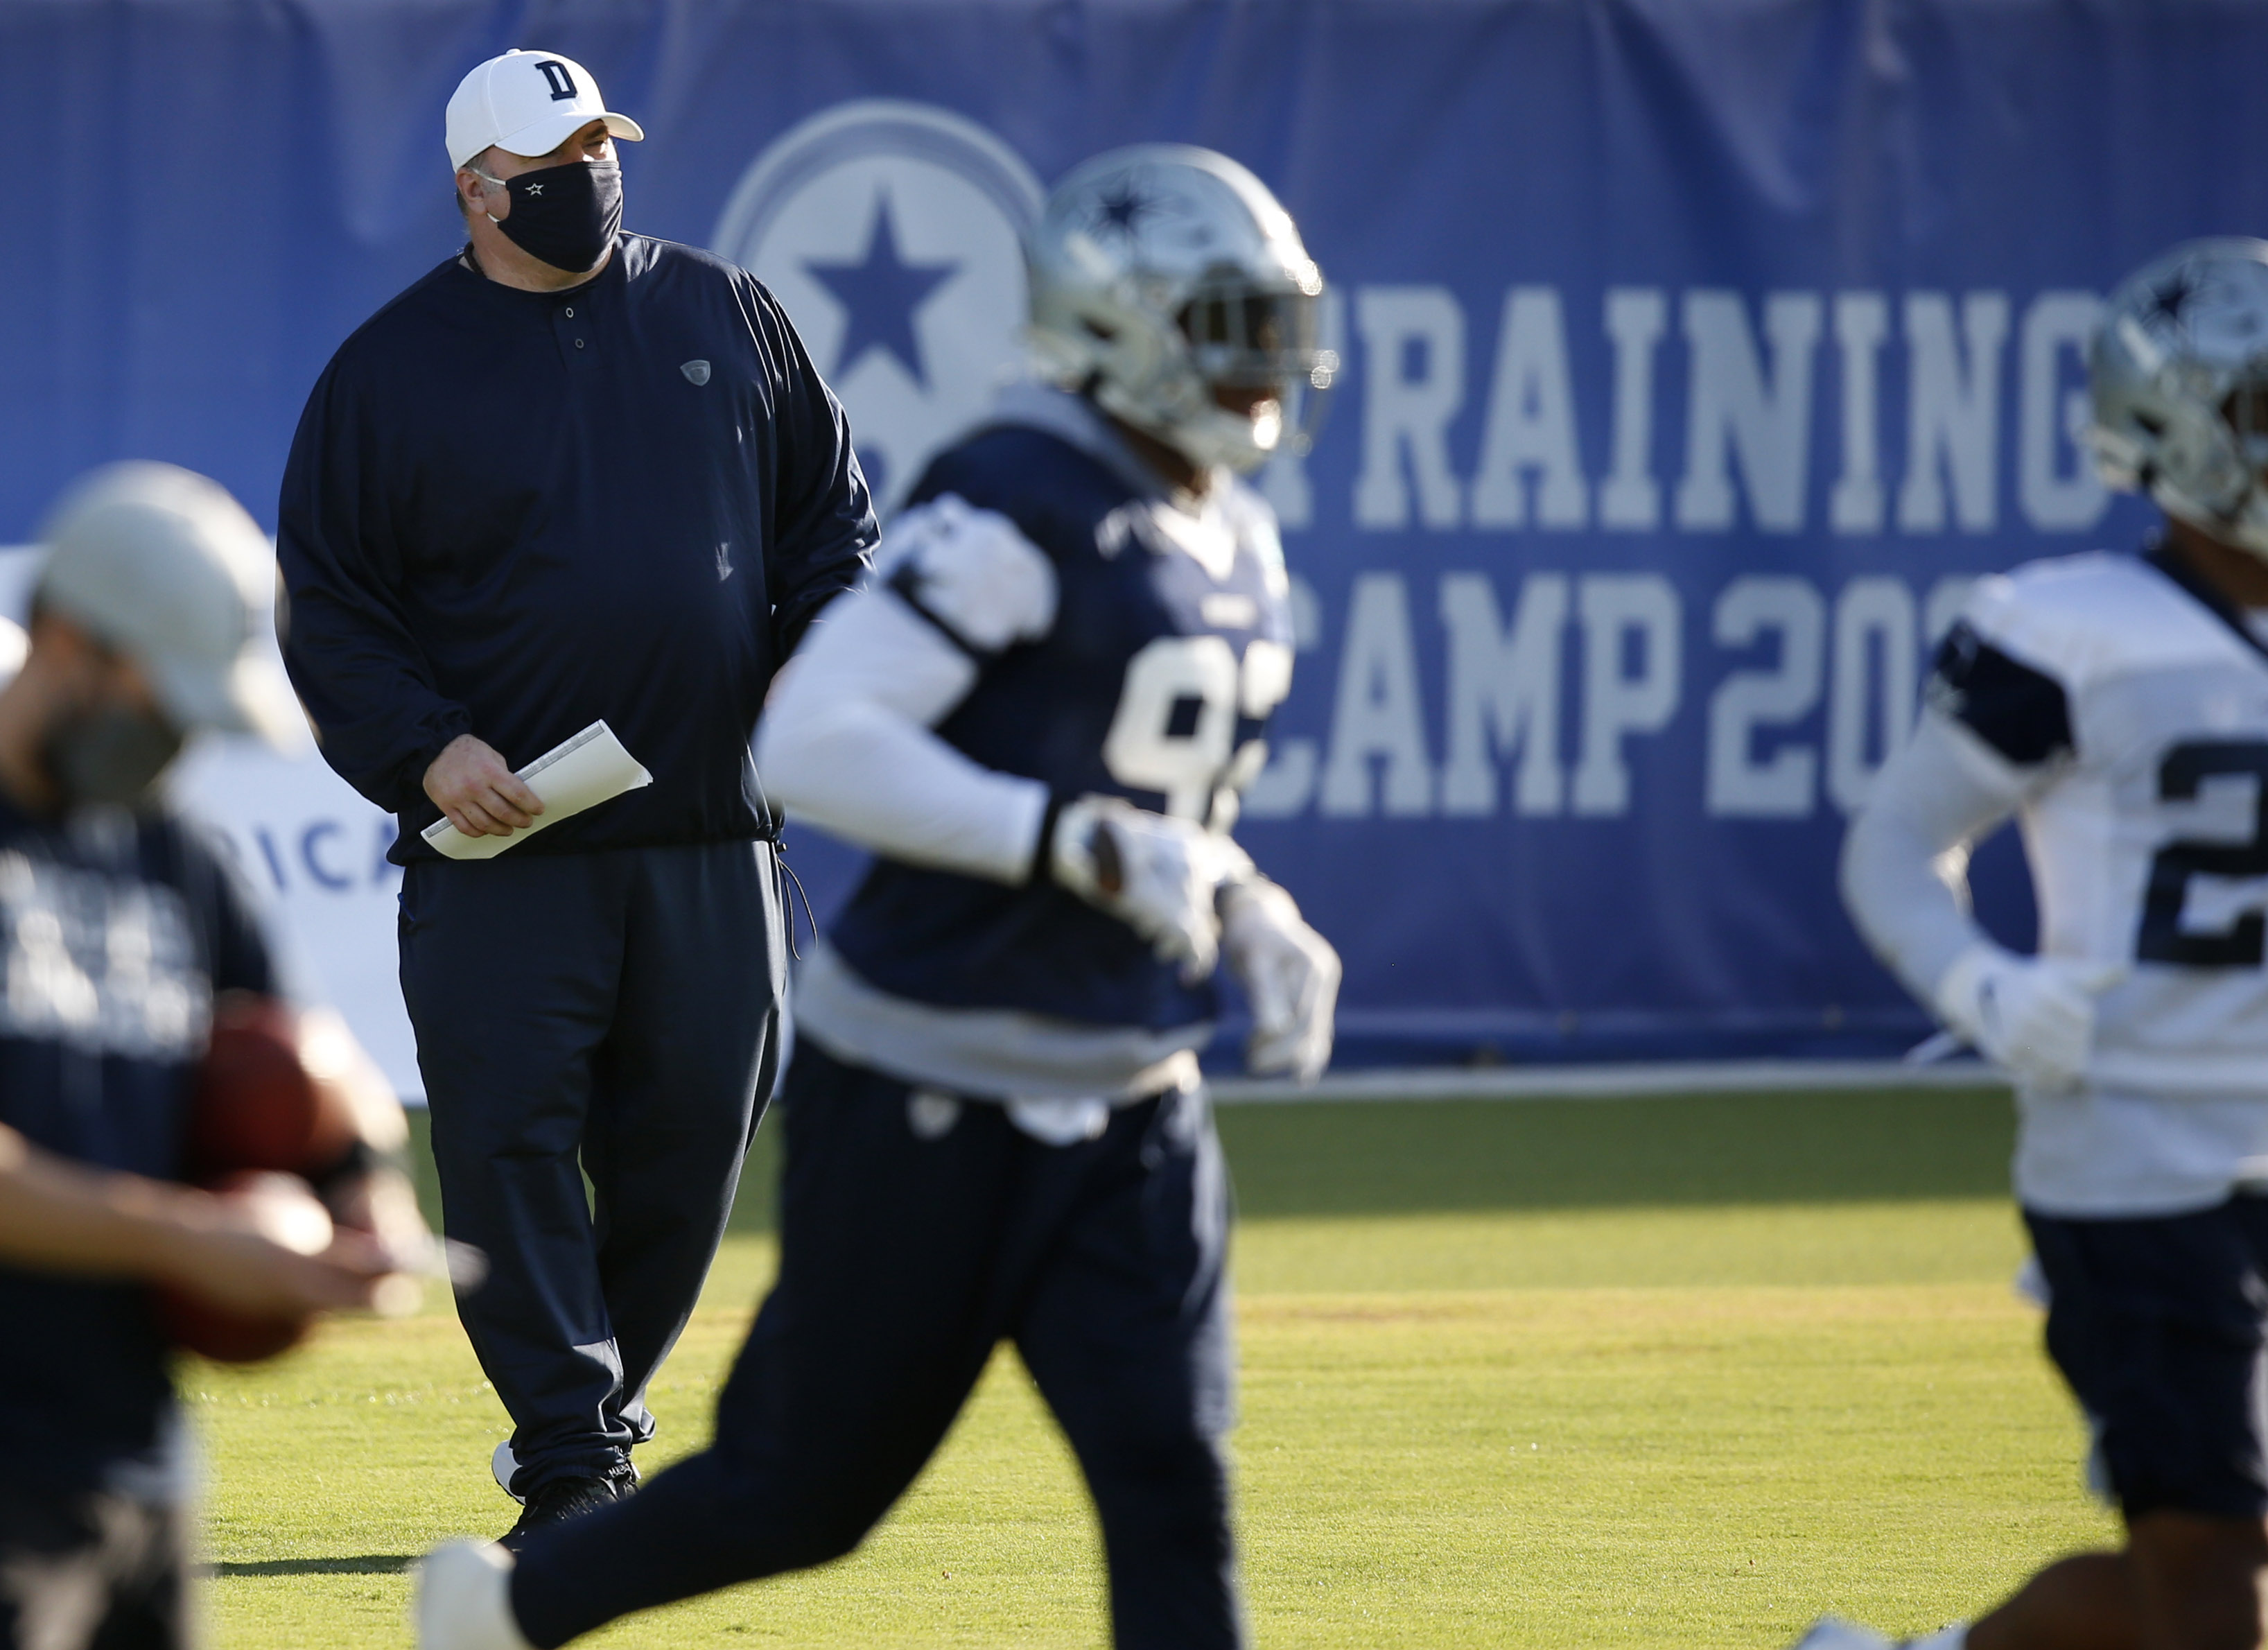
(2118, 706)
(1039, 717)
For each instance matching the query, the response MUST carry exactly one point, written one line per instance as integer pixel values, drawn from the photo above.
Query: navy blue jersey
(113, 944)
(1171, 645)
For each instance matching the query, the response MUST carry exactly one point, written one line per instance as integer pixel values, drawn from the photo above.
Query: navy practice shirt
(514, 513)
(1047, 710)
(115, 936)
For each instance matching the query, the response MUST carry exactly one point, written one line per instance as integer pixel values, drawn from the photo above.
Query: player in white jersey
(2118, 706)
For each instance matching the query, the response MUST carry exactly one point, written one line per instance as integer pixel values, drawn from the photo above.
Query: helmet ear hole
(2151, 422)
(1106, 334)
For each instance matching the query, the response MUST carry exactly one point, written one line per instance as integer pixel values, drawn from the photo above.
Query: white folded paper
(589, 768)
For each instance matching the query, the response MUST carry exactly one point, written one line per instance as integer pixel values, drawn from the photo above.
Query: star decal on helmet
(2170, 300)
(1123, 207)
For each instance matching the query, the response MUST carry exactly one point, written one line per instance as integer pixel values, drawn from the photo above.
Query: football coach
(570, 474)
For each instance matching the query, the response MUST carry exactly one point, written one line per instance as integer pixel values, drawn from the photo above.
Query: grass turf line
(1643, 1373)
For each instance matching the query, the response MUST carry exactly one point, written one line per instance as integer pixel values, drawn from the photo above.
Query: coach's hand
(478, 790)
(2033, 1015)
(1291, 977)
(1155, 874)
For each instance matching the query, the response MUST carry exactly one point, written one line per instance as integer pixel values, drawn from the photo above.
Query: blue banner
(1698, 356)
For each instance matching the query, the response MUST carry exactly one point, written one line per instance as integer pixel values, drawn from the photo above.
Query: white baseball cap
(166, 566)
(528, 104)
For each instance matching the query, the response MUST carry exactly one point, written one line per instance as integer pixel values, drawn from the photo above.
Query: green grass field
(1668, 1373)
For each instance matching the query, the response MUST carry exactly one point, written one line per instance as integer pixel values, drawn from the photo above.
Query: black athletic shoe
(565, 1498)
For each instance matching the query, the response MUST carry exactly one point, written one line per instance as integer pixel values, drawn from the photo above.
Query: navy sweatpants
(614, 1013)
(915, 1236)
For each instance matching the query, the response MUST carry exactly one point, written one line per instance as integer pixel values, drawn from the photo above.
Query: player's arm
(1995, 730)
(59, 1216)
(847, 741)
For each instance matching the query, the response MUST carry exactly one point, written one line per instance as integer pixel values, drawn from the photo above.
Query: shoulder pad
(2084, 619)
(2020, 712)
(1056, 495)
(970, 572)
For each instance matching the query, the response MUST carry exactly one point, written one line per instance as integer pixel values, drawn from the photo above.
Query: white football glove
(1157, 874)
(2033, 1015)
(1290, 973)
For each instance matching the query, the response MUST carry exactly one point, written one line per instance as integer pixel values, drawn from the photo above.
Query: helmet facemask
(2244, 415)
(1244, 337)
(1229, 333)
(2205, 463)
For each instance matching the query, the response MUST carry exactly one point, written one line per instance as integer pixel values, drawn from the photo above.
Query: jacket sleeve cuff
(410, 779)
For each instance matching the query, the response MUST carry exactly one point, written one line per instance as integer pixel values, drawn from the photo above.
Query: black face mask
(111, 756)
(566, 215)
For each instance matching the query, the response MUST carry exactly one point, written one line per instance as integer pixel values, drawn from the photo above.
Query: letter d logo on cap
(528, 104)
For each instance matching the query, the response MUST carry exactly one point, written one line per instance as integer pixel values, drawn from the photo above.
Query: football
(264, 1099)
(285, 1210)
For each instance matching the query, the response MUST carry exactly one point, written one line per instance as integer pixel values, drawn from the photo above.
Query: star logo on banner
(880, 295)
(1123, 208)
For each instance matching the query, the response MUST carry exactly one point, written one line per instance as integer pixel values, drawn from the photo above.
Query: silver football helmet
(1161, 271)
(2179, 374)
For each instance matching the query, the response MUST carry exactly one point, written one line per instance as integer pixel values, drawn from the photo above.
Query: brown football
(286, 1210)
(258, 1103)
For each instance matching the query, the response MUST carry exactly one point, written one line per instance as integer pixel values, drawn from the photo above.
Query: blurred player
(118, 929)
(2118, 706)
(1039, 719)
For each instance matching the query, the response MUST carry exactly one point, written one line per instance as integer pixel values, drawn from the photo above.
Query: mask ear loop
(494, 183)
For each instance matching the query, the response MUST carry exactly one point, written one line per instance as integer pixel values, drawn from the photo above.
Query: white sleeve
(845, 740)
(1905, 858)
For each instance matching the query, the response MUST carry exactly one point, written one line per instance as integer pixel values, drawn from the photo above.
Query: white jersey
(2147, 823)
(2123, 706)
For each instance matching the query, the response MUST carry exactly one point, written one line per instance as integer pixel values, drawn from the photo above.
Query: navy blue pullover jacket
(512, 513)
